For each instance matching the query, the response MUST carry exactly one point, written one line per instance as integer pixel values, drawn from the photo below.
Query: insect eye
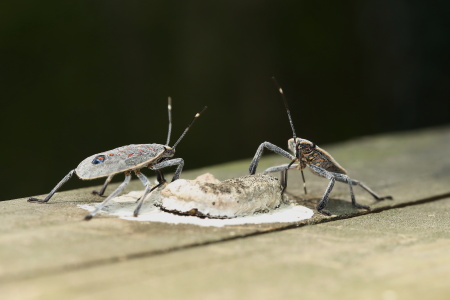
(98, 159)
(307, 148)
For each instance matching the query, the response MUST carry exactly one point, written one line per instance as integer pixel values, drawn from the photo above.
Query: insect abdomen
(323, 159)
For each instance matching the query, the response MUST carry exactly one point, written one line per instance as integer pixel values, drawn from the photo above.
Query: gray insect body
(319, 162)
(127, 159)
(122, 159)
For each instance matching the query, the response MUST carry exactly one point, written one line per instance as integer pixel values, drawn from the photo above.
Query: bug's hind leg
(352, 182)
(103, 189)
(168, 163)
(112, 195)
(375, 195)
(52, 192)
(259, 152)
(344, 178)
(332, 177)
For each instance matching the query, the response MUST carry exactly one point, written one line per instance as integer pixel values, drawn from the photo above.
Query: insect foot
(306, 154)
(127, 159)
(222, 199)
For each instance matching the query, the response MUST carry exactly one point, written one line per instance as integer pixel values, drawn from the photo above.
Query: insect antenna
(169, 110)
(280, 90)
(189, 126)
(298, 154)
(288, 111)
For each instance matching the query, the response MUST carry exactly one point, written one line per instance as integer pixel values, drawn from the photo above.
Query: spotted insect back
(119, 160)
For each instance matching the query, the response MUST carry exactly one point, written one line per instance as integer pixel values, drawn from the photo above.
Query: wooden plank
(396, 254)
(52, 240)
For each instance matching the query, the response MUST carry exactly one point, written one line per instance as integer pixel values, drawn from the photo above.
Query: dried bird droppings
(207, 197)
(275, 208)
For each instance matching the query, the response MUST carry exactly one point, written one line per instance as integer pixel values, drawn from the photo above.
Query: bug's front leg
(259, 152)
(53, 191)
(103, 189)
(280, 168)
(284, 173)
(112, 195)
(168, 163)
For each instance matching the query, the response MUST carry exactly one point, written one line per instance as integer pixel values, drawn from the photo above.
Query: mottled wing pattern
(119, 160)
(323, 159)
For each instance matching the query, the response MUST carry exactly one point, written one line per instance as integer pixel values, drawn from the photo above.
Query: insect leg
(283, 169)
(168, 163)
(138, 208)
(147, 191)
(324, 201)
(169, 110)
(112, 195)
(103, 189)
(345, 179)
(57, 187)
(330, 176)
(351, 182)
(271, 147)
(369, 190)
(280, 168)
(284, 180)
(160, 176)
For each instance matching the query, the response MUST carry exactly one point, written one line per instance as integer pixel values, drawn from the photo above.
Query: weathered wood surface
(400, 250)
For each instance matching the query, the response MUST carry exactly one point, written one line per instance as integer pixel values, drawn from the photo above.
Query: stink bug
(319, 162)
(127, 159)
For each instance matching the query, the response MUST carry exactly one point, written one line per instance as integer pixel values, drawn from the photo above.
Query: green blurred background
(81, 77)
